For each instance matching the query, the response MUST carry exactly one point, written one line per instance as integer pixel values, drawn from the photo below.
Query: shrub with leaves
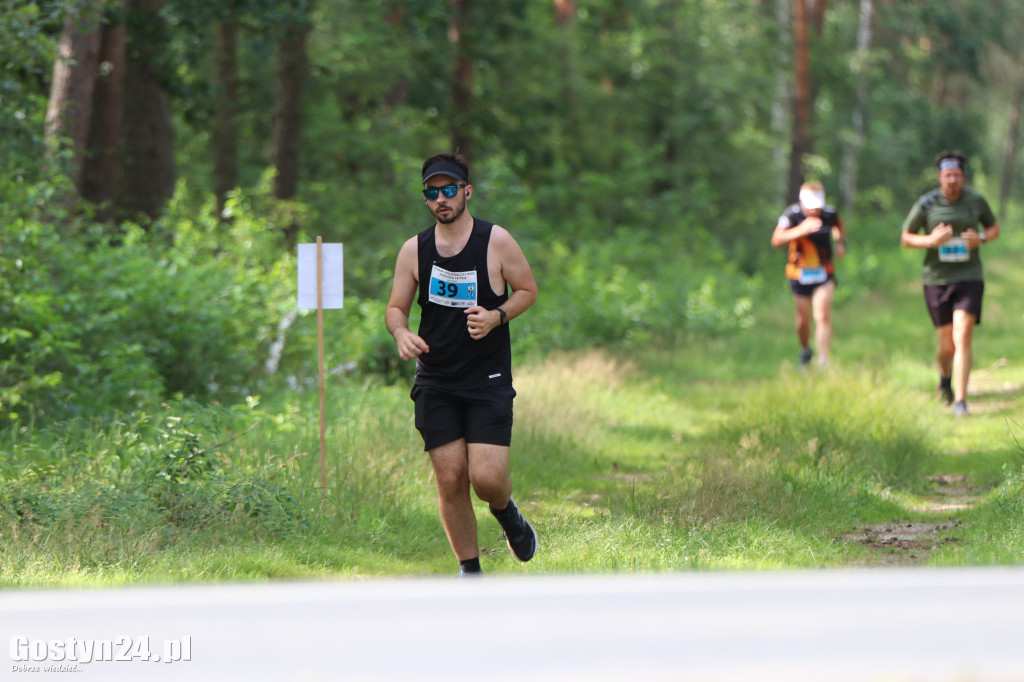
(157, 470)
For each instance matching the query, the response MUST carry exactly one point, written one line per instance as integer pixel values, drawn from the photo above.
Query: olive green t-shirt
(952, 262)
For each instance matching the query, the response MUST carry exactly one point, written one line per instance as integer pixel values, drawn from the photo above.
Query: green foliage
(95, 323)
(26, 57)
(189, 306)
(632, 149)
(136, 471)
(632, 290)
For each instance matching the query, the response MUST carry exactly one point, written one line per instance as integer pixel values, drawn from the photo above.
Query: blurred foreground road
(883, 624)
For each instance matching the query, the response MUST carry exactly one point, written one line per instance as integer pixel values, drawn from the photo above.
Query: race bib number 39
(452, 289)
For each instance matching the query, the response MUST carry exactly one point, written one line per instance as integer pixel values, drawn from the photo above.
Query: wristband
(503, 314)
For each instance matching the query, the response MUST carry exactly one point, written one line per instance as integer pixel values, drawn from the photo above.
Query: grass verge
(712, 454)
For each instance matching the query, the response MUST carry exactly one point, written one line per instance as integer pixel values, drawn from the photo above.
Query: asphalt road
(882, 624)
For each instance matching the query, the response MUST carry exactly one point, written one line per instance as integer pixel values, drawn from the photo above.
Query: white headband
(811, 198)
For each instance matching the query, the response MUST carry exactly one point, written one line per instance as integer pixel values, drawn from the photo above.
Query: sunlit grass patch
(687, 473)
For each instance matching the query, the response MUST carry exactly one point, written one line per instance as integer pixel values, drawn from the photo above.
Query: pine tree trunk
(290, 81)
(568, 124)
(816, 14)
(74, 81)
(395, 18)
(459, 35)
(149, 171)
(848, 167)
(782, 100)
(565, 10)
(1010, 148)
(800, 141)
(225, 125)
(101, 171)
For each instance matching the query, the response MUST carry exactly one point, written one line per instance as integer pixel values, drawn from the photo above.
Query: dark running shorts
(482, 415)
(807, 289)
(943, 299)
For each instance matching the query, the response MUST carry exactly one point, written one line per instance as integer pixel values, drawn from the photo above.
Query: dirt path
(905, 542)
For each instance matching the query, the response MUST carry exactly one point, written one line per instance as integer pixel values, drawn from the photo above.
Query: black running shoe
(805, 357)
(945, 394)
(470, 567)
(520, 535)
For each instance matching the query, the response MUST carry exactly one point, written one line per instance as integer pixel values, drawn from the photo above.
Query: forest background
(163, 157)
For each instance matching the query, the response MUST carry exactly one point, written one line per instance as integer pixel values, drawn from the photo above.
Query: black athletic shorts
(943, 299)
(807, 289)
(482, 415)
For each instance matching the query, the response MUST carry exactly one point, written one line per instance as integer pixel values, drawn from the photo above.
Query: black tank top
(447, 287)
(822, 239)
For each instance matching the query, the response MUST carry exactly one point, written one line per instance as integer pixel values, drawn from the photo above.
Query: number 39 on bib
(452, 289)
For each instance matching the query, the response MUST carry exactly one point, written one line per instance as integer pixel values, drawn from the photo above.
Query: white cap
(812, 198)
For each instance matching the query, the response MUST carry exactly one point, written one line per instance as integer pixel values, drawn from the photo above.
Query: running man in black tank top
(460, 270)
(807, 229)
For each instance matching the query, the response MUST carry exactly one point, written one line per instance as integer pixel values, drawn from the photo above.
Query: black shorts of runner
(807, 289)
(482, 415)
(943, 299)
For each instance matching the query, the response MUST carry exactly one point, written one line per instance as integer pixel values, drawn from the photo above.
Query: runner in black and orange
(808, 229)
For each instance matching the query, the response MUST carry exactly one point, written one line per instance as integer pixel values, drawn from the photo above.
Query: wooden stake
(320, 351)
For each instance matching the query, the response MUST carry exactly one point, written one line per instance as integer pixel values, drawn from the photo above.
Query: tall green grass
(617, 475)
(711, 453)
(763, 474)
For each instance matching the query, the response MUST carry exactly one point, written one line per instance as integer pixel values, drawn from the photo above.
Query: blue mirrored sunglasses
(448, 191)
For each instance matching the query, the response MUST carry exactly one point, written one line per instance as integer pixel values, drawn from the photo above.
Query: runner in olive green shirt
(946, 223)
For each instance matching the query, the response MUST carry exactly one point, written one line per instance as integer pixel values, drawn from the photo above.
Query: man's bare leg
(963, 356)
(451, 469)
(821, 302)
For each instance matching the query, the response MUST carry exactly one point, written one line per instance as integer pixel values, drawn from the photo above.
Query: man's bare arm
(516, 271)
(403, 293)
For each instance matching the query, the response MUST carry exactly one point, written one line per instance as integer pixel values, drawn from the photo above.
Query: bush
(152, 470)
(624, 290)
(92, 323)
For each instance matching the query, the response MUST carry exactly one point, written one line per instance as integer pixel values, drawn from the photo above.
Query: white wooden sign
(333, 276)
